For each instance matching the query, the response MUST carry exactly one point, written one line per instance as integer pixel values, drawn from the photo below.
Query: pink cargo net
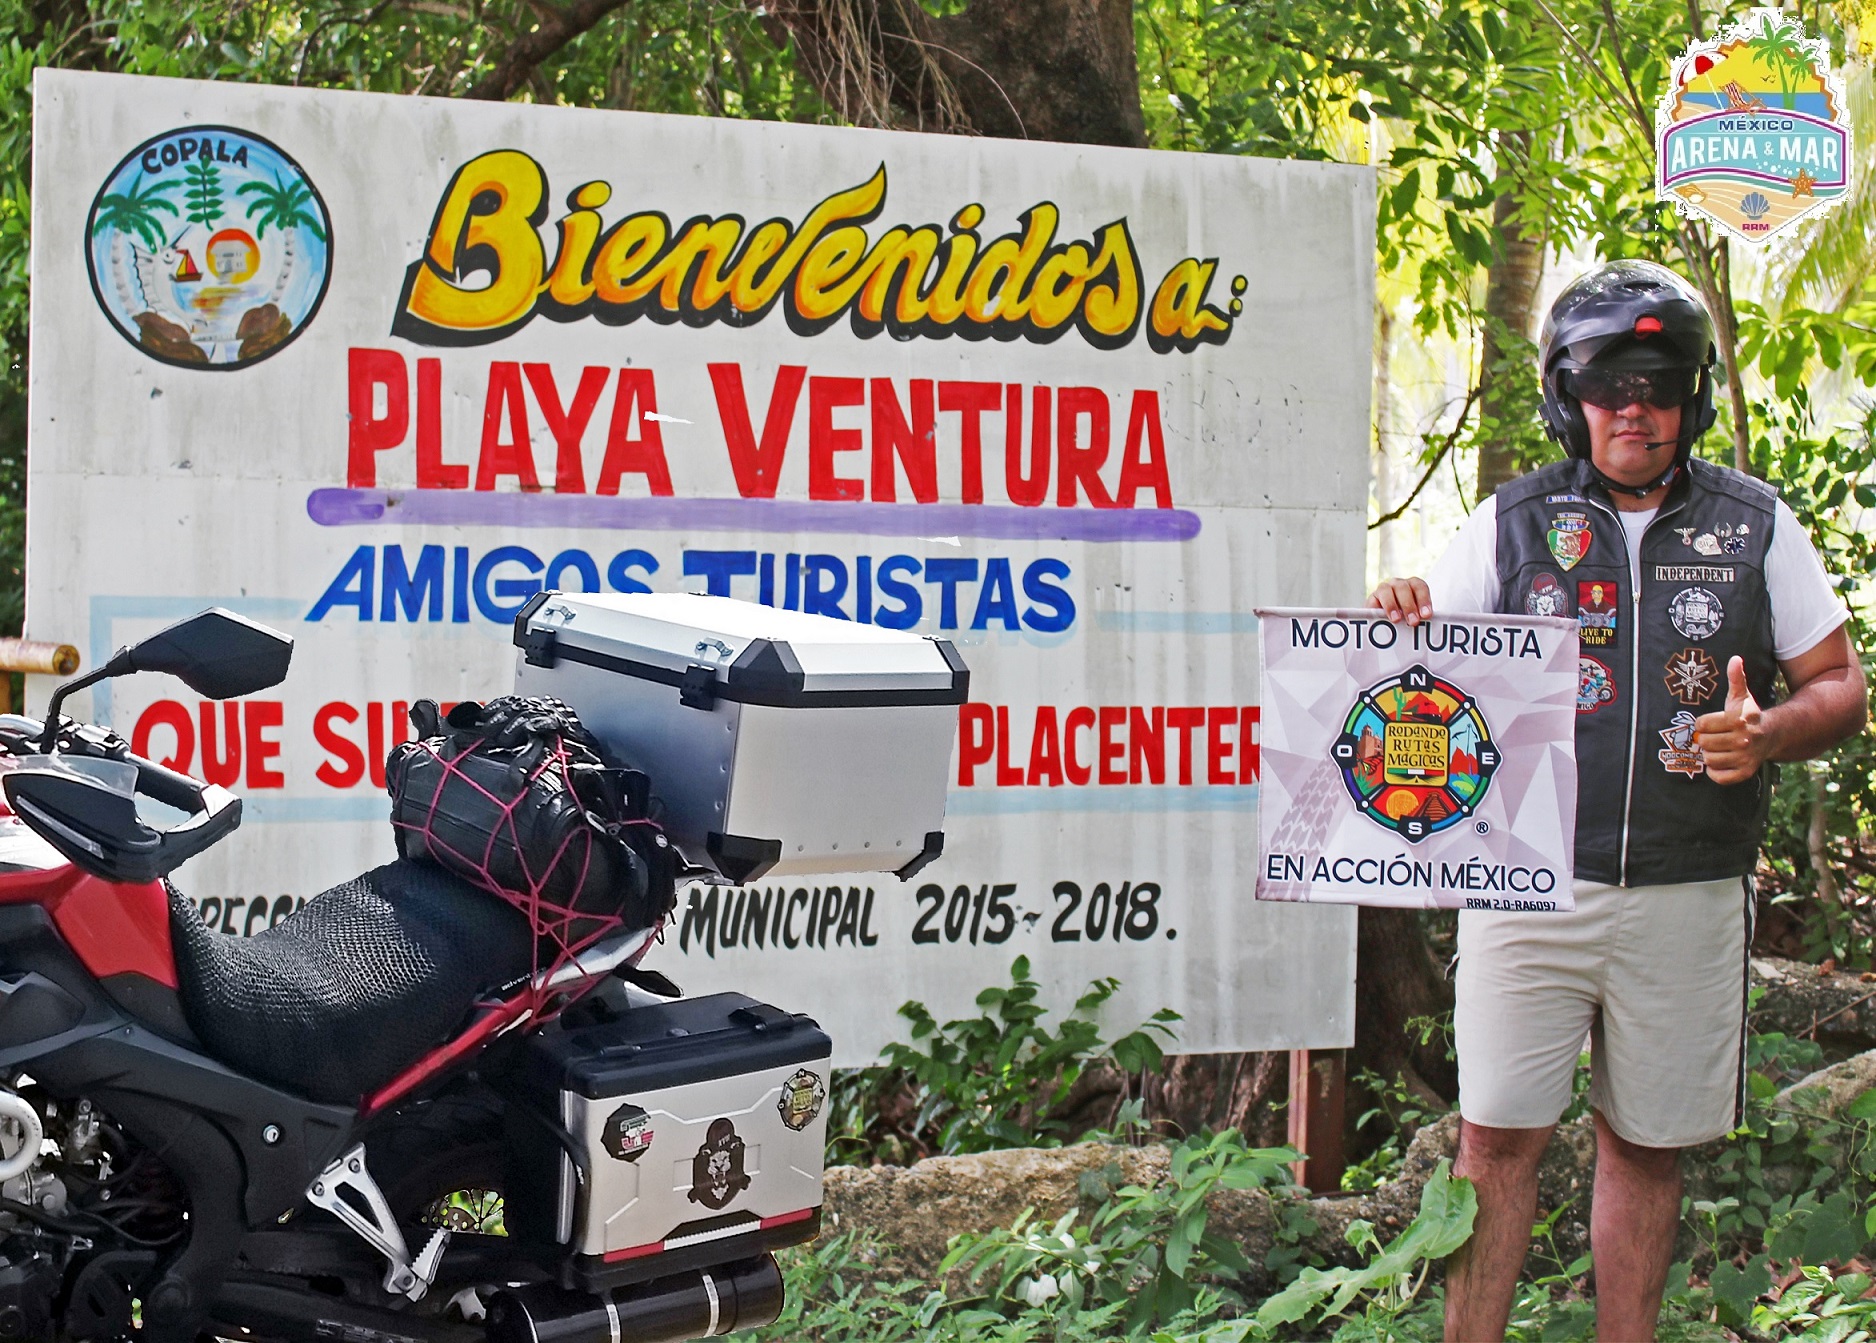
(561, 929)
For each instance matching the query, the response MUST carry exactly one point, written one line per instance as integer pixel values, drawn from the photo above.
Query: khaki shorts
(1654, 976)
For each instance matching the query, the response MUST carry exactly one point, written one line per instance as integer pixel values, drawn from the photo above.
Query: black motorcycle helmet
(1626, 315)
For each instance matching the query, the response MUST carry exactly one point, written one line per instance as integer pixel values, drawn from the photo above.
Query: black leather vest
(1653, 659)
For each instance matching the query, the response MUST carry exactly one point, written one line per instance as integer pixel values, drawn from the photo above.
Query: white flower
(1042, 1288)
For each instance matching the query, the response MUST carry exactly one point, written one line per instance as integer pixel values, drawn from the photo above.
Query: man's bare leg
(1482, 1277)
(1632, 1225)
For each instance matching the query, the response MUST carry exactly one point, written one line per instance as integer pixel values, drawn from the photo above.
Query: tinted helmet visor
(1612, 389)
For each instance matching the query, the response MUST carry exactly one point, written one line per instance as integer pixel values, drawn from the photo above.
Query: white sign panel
(1431, 765)
(375, 370)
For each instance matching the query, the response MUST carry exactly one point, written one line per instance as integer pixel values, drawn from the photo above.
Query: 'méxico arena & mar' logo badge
(1753, 131)
(1415, 754)
(208, 248)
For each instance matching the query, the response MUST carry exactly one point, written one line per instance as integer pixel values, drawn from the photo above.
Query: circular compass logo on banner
(208, 248)
(1415, 754)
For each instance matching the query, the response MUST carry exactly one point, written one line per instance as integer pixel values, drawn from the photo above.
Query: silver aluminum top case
(777, 742)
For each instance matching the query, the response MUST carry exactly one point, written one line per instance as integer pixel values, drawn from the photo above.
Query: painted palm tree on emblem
(287, 207)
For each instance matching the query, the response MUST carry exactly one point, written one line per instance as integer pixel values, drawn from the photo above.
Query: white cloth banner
(1423, 766)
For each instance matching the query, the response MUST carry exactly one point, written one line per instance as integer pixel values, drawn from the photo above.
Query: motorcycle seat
(338, 999)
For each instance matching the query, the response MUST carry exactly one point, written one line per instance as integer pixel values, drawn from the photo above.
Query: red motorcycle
(381, 1120)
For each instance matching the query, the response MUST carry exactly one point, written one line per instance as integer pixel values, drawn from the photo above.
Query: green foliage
(134, 210)
(1821, 1307)
(1826, 478)
(994, 1080)
(1391, 1280)
(1145, 1253)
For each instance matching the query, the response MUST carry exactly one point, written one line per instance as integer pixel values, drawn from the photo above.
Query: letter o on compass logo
(1415, 754)
(209, 248)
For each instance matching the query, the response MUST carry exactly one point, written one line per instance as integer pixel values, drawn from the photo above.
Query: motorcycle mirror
(214, 652)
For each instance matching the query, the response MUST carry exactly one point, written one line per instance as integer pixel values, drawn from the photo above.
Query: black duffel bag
(516, 796)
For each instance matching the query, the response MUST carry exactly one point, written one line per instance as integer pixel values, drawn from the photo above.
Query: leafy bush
(1146, 1252)
(980, 1083)
(1143, 1267)
(1389, 1284)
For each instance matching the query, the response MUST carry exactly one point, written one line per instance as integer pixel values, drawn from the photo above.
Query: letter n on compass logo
(1415, 754)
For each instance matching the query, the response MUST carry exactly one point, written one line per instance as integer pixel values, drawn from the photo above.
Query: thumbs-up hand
(1733, 740)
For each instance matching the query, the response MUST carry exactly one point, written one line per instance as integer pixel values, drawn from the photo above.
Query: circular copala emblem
(209, 248)
(1415, 754)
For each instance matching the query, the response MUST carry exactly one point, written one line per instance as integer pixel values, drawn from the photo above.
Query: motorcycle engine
(28, 1286)
(93, 1207)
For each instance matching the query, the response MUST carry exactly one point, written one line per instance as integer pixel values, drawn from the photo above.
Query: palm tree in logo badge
(1780, 49)
(238, 270)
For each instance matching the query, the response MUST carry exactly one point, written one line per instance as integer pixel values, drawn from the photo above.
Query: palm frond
(1839, 252)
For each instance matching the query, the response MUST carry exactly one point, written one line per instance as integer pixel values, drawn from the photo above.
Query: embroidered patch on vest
(1595, 686)
(1696, 613)
(1692, 676)
(1546, 597)
(1569, 538)
(1596, 611)
(1695, 573)
(1681, 755)
(1564, 499)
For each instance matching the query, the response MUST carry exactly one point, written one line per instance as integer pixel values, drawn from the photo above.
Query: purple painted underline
(1002, 522)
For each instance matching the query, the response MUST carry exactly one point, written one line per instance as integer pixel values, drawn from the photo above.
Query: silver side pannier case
(778, 743)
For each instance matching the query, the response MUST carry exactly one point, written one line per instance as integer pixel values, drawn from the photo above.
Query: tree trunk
(1385, 557)
(1198, 1092)
(1711, 262)
(1019, 69)
(1398, 981)
(1511, 284)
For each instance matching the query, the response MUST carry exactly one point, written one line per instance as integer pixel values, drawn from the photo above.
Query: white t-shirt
(1805, 607)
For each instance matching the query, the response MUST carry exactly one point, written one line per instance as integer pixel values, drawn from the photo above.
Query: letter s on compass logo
(1415, 753)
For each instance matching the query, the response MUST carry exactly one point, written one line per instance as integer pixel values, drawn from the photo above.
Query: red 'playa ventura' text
(872, 439)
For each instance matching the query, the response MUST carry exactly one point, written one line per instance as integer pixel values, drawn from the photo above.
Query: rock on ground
(918, 1209)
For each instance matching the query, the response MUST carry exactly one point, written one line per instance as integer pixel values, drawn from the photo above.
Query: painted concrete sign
(375, 370)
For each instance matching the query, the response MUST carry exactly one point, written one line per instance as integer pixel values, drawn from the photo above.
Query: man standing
(1696, 589)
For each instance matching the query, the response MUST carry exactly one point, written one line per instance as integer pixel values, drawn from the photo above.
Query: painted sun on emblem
(209, 248)
(1415, 753)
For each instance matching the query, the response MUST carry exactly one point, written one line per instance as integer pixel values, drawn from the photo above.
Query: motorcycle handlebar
(212, 811)
(168, 786)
